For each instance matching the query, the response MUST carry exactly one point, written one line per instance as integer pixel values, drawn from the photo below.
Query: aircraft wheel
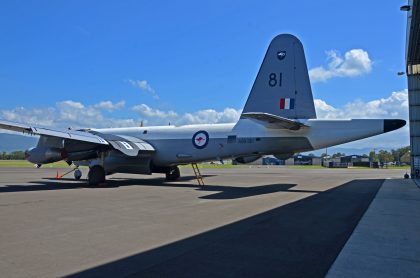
(173, 174)
(96, 175)
(77, 174)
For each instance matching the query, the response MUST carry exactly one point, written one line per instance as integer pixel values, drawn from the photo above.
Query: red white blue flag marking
(287, 103)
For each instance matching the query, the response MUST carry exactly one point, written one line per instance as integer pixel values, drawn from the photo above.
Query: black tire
(77, 174)
(173, 174)
(96, 175)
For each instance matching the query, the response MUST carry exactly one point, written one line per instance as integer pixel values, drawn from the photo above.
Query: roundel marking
(200, 139)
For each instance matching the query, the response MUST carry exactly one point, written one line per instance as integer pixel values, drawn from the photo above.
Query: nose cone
(390, 125)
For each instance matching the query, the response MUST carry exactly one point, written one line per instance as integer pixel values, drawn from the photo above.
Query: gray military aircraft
(278, 118)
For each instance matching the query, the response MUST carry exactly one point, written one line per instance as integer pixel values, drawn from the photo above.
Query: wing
(64, 134)
(82, 140)
(128, 145)
(273, 121)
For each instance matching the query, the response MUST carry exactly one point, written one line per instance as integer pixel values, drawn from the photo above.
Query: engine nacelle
(43, 155)
(83, 155)
(247, 159)
(283, 156)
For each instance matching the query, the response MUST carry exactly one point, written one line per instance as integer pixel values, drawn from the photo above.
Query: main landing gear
(96, 175)
(173, 174)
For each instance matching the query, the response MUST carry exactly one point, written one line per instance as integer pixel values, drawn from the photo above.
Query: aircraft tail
(282, 86)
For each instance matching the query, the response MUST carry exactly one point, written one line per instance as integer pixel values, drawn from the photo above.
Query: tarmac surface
(386, 242)
(247, 222)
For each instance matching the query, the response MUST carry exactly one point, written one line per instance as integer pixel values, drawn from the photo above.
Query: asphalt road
(246, 222)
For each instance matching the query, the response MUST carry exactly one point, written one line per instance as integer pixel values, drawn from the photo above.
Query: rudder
(282, 86)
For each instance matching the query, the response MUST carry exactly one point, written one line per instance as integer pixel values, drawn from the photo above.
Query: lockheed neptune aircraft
(278, 119)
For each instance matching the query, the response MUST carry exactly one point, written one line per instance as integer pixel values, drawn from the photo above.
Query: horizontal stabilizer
(273, 121)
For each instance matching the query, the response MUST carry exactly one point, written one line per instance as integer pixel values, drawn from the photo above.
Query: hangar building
(413, 77)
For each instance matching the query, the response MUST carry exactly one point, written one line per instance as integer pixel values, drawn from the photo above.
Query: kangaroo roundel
(200, 139)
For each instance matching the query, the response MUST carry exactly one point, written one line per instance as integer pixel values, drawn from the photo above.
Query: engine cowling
(43, 155)
(83, 155)
(247, 159)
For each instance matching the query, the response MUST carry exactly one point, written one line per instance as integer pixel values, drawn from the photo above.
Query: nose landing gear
(77, 174)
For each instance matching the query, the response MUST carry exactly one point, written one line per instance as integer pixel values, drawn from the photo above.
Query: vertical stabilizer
(282, 86)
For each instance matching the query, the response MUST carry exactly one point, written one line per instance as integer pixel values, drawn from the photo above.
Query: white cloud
(74, 114)
(211, 116)
(394, 106)
(148, 112)
(36, 116)
(109, 105)
(68, 114)
(72, 104)
(145, 86)
(208, 116)
(77, 115)
(355, 62)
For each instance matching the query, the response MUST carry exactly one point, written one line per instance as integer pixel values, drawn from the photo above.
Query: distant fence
(332, 164)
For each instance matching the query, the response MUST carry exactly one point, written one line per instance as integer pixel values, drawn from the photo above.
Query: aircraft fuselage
(196, 143)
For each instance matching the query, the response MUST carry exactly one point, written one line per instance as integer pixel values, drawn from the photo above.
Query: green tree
(17, 155)
(373, 157)
(406, 158)
(336, 155)
(385, 156)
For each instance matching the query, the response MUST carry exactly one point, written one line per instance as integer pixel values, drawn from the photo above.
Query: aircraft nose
(390, 125)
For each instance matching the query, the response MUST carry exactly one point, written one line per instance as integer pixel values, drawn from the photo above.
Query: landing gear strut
(96, 175)
(173, 174)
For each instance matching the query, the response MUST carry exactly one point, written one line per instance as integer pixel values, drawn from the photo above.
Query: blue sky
(122, 61)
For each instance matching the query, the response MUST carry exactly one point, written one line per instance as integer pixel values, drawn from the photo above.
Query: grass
(212, 166)
(398, 167)
(305, 166)
(26, 164)
(388, 167)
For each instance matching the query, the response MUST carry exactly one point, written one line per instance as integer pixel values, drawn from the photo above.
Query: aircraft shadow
(300, 239)
(222, 192)
(230, 192)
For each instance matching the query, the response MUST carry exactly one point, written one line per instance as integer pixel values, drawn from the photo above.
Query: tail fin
(282, 85)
